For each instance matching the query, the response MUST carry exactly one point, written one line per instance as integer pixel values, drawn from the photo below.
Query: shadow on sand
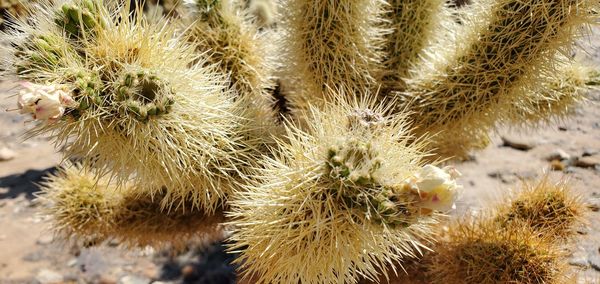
(23, 184)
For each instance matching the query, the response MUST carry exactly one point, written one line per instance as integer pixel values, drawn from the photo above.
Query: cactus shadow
(208, 265)
(26, 183)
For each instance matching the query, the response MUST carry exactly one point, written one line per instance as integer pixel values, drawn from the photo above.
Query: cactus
(478, 251)
(10, 9)
(223, 31)
(84, 206)
(169, 125)
(173, 119)
(415, 25)
(333, 46)
(347, 189)
(507, 45)
(551, 209)
(554, 98)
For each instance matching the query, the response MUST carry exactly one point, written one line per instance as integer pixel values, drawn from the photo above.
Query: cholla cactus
(550, 208)
(142, 109)
(174, 120)
(415, 25)
(554, 97)
(333, 45)
(223, 31)
(507, 45)
(478, 251)
(85, 207)
(339, 200)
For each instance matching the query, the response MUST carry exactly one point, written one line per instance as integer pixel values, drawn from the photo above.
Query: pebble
(107, 279)
(46, 276)
(557, 165)
(7, 154)
(72, 262)
(130, 279)
(589, 152)
(33, 256)
(559, 155)
(188, 272)
(518, 143)
(45, 239)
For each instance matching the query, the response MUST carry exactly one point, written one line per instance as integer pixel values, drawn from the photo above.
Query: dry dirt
(29, 254)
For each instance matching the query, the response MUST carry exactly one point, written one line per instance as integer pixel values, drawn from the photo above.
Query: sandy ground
(29, 254)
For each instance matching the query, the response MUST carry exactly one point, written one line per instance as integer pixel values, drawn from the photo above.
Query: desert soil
(30, 254)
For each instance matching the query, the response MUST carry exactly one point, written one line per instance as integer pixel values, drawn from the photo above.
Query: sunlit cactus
(10, 9)
(176, 115)
(339, 200)
(137, 105)
(223, 31)
(552, 209)
(505, 45)
(264, 12)
(85, 207)
(555, 97)
(331, 45)
(415, 25)
(479, 251)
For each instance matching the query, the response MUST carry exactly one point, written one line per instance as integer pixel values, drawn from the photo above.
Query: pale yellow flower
(437, 187)
(43, 102)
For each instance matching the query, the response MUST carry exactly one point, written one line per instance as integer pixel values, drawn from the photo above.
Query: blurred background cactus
(179, 129)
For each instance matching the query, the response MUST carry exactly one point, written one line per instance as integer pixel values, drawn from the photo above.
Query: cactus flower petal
(43, 102)
(437, 187)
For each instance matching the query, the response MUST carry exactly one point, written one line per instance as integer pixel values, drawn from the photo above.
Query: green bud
(152, 109)
(84, 104)
(88, 20)
(74, 14)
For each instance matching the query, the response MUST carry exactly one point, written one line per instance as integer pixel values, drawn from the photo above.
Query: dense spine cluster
(508, 44)
(414, 24)
(170, 115)
(339, 200)
(334, 46)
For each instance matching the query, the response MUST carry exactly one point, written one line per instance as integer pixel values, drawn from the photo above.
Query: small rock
(7, 154)
(45, 239)
(151, 271)
(72, 262)
(107, 279)
(588, 162)
(570, 170)
(507, 177)
(594, 260)
(580, 261)
(594, 207)
(558, 154)
(562, 128)
(519, 144)
(130, 279)
(557, 165)
(589, 152)
(46, 276)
